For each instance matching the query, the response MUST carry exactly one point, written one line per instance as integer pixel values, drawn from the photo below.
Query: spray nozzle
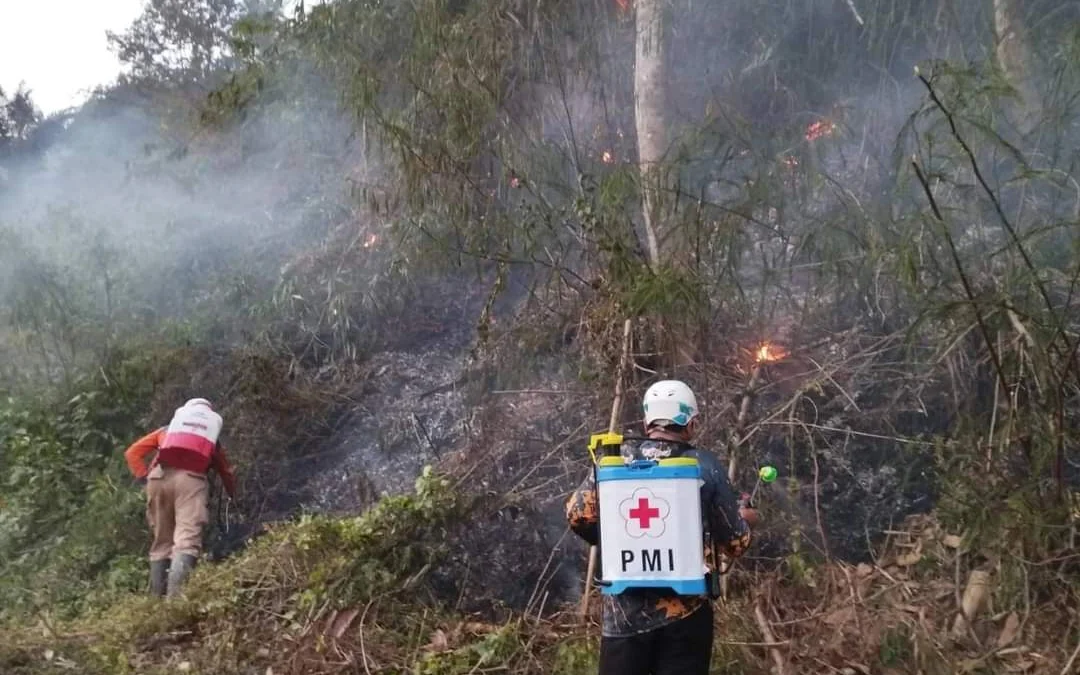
(766, 474)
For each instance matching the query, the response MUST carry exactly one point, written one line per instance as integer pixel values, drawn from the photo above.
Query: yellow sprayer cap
(607, 438)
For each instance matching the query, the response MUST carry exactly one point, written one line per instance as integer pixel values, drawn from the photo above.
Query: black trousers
(680, 648)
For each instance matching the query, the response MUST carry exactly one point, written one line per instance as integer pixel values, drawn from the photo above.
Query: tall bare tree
(667, 247)
(1016, 60)
(649, 101)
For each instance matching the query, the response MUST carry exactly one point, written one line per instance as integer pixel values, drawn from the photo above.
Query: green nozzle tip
(767, 473)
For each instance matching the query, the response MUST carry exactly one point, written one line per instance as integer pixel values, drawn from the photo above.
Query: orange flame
(819, 129)
(607, 157)
(769, 353)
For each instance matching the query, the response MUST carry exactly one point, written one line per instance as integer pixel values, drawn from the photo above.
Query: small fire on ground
(370, 240)
(769, 353)
(819, 129)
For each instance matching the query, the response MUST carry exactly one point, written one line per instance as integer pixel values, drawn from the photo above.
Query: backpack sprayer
(650, 521)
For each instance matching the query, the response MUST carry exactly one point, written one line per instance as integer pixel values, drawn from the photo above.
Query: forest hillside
(411, 249)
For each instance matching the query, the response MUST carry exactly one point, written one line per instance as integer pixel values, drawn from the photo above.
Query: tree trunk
(649, 100)
(665, 246)
(1016, 60)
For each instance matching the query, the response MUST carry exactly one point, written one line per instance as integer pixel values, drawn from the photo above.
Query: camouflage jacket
(641, 610)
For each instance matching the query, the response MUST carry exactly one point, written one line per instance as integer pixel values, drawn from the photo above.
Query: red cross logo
(644, 513)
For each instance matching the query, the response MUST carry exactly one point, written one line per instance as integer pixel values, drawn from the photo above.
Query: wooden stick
(616, 407)
(734, 443)
(740, 422)
(767, 634)
(1076, 652)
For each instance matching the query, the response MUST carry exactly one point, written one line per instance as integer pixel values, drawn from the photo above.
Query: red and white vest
(190, 438)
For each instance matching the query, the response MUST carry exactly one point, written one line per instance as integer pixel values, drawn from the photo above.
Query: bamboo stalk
(616, 406)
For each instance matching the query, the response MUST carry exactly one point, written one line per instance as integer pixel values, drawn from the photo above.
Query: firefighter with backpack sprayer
(653, 622)
(177, 489)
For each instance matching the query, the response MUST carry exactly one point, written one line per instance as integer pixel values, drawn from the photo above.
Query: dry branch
(767, 634)
(1068, 666)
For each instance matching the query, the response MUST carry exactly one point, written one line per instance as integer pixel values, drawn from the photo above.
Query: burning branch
(766, 353)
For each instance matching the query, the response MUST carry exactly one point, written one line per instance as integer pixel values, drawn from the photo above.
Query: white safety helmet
(198, 401)
(669, 402)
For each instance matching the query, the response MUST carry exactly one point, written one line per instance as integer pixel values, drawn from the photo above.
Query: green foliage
(578, 656)
(671, 291)
(896, 648)
(355, 559)
(501, 647)
(18, 117)
(178, 42)
(321, 561)
(71, 526)
(299, 570)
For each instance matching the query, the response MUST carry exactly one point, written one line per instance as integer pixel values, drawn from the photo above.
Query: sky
(58, 47)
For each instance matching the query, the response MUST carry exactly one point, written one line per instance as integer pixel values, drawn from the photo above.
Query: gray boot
(179, 572)
(159, 574)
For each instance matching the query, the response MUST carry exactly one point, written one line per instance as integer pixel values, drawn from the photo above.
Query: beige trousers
(177, 508)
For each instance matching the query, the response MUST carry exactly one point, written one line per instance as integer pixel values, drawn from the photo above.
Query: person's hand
(750, 515)
(746, 511)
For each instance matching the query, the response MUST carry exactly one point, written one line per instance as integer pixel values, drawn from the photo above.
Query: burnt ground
(513, 431)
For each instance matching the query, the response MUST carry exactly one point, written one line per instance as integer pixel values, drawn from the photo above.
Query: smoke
(142, 214)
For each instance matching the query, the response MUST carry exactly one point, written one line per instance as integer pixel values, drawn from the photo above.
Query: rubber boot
(159, 577)
(179, 572)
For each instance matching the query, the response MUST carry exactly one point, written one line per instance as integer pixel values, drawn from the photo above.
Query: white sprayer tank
(650, 525)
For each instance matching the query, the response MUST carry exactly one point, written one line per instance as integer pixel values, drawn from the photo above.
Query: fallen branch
(767, 634)
(754, 644)
(865, 434)
(1068, 666)
(536, 391)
